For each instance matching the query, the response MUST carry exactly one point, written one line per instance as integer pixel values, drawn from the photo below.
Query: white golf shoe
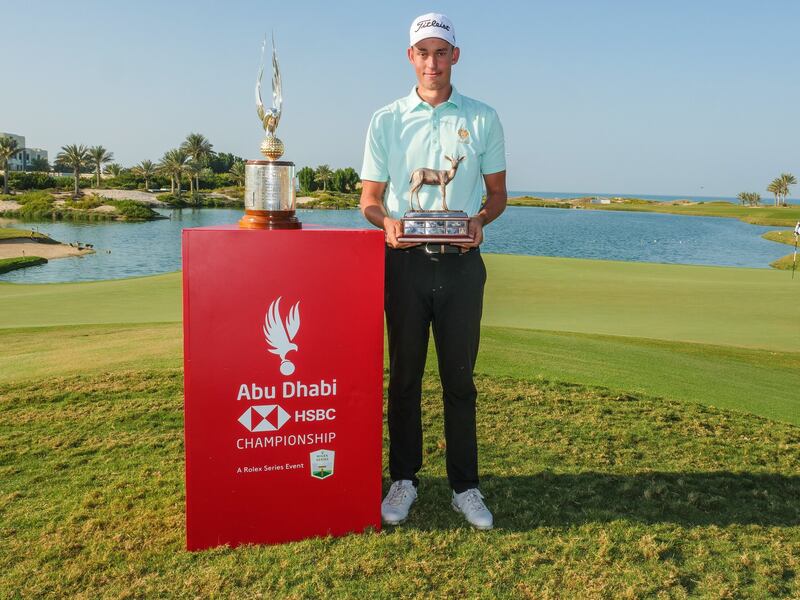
(399, 498)
(470, 504)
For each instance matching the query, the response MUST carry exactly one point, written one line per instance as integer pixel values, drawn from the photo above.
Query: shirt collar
(414, 101)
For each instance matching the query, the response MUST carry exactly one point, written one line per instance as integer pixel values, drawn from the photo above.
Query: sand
(137, 195)
(22, 247)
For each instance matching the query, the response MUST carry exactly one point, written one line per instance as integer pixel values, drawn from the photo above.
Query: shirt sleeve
(493, 159)
(376, 159)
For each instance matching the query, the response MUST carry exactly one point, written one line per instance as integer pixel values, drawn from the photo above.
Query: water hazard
(137, 249)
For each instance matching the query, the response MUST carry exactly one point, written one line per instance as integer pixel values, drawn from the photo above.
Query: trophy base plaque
(269, 195)
(436, 226)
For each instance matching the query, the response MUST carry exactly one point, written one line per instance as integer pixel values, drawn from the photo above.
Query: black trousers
(445, 292)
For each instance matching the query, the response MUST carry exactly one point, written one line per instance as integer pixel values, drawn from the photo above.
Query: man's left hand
(475, 229)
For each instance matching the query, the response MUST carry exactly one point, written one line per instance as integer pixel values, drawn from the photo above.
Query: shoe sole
(478, 527)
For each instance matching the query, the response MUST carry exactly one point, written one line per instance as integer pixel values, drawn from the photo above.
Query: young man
(435, 285)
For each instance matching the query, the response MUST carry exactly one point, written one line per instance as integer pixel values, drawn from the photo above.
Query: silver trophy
(437, 226)
(269, 185)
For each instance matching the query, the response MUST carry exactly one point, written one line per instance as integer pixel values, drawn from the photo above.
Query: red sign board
(283, 357)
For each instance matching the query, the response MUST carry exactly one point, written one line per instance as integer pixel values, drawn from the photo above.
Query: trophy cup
(269, 185)
(437, 226)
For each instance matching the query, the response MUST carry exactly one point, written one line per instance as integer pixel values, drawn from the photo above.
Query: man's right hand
(393, 229)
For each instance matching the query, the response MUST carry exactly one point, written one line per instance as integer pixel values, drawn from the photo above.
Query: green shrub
(30, 181)
(89, 202)
(234, 191)
(132, 210)
(27, 197)
(37, 206)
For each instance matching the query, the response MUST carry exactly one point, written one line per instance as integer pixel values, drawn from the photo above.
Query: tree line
(325, 179)
(778, 187)
(192, 161)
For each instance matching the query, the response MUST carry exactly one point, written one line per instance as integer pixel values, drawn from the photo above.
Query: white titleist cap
(432, 25)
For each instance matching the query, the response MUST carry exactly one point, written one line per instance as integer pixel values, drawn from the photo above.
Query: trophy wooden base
(438, 227)
(269, 219)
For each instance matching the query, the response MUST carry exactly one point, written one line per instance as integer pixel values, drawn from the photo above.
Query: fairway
(752, 308)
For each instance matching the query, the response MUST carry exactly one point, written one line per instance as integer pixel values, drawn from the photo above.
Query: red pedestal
(283, 357)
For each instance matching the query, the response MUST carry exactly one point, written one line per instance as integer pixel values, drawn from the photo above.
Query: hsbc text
(315, 414)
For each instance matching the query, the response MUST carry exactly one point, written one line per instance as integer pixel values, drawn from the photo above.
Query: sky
(683, 97)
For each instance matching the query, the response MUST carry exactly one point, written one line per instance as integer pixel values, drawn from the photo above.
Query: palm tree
(8, 148)
(173, 163)
(145, 169)
(786, 179)
(237, 170)
(749, 198)
(115, 169)
(99, 156)
(323, 176)
(193, 168)
(200, 150)
(776, 189)
(76, 157)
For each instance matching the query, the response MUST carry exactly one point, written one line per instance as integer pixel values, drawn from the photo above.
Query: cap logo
(431, 23)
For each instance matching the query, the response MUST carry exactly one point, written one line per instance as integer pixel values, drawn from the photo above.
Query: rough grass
(783, 236)
(596, 495)
(784, 263)
(20, 262)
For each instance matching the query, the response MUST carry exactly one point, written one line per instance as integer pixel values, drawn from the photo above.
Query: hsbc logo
(270, 417)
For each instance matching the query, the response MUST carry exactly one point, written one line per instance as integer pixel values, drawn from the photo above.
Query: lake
(136, 249)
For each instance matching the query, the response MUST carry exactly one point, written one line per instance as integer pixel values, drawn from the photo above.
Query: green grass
(617, 465)
(760, 382)
(783, 236)
(757, 215)
(708, 305)
(595, 495)
(136, 300)
(20, 262)
(10, 233)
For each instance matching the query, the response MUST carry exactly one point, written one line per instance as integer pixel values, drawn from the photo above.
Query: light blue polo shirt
(409, 134)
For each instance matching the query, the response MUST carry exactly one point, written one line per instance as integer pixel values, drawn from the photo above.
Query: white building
(22, 160)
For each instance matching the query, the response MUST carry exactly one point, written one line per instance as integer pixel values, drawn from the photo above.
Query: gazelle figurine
(422, 177)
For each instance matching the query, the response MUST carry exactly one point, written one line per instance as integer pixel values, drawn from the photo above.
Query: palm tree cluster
(779, 187)
(749, 198)
(190, 158)
(323, 177)
(79, 157)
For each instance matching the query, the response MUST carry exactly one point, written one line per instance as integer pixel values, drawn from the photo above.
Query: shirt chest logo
(463, 136)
